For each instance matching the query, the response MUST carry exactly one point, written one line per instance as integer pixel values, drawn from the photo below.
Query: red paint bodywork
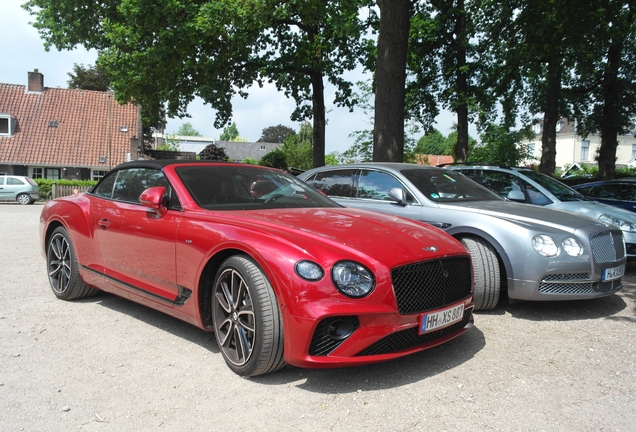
(148, 257)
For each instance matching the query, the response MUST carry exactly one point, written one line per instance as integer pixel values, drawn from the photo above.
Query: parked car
(620, 192)
(285, 277)
(528, 186)
(533, 253)
(18, 188)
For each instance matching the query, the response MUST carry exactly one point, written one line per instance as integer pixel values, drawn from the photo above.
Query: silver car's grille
(431, 284)
(573, 284)
(608, 247)
(569, 277)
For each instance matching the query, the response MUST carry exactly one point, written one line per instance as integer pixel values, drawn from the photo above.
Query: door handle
(104, 223)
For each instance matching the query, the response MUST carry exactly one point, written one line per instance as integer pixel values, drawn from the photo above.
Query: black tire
(24, 199)
(247, 321)
(63, 269)
(486, 272)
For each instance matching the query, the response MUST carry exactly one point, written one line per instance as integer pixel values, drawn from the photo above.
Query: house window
(97, 175)
(633, 151)
(6, 125)
(531, 151)
(53, 173)
(585, 150)
(37, 173)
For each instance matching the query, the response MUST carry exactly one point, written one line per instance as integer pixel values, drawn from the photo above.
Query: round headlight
(309, 270)
(545, 245)
(572, 247)
(352, 279)
(617, 222)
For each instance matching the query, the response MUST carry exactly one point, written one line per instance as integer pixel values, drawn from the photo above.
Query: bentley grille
(431, 284)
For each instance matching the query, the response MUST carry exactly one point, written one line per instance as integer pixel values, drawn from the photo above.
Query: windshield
(446, 186)
(224, 187)
(555, 187)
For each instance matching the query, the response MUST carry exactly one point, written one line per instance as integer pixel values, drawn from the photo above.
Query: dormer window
(123, 128)
(6, 125)
(262, 147)
(53, 123)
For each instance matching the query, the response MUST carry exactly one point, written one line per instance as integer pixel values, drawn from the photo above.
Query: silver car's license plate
(613, 273)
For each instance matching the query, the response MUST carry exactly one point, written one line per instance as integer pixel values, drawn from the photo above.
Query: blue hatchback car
(619, 192)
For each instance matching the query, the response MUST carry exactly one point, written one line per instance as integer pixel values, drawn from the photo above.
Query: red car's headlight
(352, 279)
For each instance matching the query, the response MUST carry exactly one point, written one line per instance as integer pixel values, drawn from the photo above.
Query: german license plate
(613, 273)
(441, 318)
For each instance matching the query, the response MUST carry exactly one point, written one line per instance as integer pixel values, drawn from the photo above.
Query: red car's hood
(386, 238)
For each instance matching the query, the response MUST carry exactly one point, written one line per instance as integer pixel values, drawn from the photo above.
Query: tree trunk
(551, 116)
(388, 131)
(318, 106)
(610, 127)
(461, 150)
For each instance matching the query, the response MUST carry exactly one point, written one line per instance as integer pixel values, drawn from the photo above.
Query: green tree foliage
(230, 133)
(213, 153)
(187, 129)
(88, 78)
(298, 148)
(275, 159)
(276, 134)
(433, 143)
(215, 50)
(500, 146)
(250, 161)
(607, 88)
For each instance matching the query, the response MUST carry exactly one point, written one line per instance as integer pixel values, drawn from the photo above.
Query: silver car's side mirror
(516, 195)
(397, 194)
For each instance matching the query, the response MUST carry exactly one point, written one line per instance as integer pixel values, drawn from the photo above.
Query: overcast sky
(22, 50)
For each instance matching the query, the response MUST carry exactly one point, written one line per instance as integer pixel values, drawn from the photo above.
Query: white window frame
(52, 173)
(9, 120)
(97, 174)
(37, 173)
(585, 150)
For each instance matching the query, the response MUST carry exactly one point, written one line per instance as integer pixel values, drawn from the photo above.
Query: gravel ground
(106, 364)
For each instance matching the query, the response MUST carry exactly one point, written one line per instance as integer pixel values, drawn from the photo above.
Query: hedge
(45, 185)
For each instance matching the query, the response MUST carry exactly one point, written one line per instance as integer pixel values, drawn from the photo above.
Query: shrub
(45, 185)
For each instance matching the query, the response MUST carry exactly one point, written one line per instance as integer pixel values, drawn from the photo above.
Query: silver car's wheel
(486, 272)
(24, 198)
(63, 270)
(247, 321)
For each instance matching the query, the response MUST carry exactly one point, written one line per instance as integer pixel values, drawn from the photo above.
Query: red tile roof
(434, 160)
(88, 127)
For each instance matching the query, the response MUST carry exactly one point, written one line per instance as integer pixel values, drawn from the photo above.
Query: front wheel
(63, 269)
(247, 322)
(486, 272)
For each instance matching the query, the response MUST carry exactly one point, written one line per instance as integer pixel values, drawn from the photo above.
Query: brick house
(60, 133)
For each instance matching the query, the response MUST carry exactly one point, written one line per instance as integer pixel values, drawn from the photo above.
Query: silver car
(532, 187)
(17, 188)
(532, 252)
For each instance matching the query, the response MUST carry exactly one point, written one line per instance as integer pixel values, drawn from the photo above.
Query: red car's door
(137, 246)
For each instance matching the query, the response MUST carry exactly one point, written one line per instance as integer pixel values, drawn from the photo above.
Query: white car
(18, 188)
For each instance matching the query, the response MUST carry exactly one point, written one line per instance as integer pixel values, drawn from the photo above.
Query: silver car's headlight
(617, 222)
(545, 245)
(572, 247)
(352, 279)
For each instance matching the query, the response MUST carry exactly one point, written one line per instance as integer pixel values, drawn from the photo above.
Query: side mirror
(397, 194)
(516, 195)
(154, 198)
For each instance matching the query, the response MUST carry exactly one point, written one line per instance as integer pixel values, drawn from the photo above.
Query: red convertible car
(288, 276)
